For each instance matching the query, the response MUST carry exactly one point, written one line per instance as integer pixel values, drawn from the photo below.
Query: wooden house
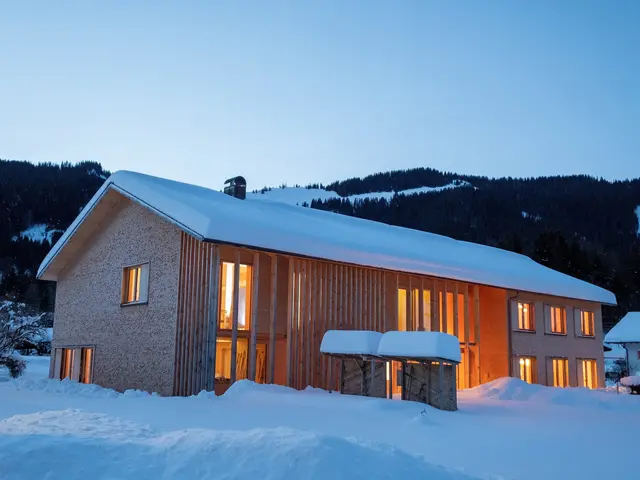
(175, 288)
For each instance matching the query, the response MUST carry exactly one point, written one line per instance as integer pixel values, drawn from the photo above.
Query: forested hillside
(579, 225)
(37, 203)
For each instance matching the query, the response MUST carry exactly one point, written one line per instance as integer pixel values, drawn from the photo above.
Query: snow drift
(72, 444)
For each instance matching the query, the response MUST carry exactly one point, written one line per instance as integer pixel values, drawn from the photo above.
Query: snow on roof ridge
(274, 226)
(627, 330)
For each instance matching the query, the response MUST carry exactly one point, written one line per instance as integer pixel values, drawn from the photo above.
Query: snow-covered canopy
(211, 215)
(420, 345)
(626, 330)
(350, 342)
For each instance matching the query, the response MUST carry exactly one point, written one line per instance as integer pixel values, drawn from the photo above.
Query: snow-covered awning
(273, 226)
(626, 330)
(425, 345)
(350, 342)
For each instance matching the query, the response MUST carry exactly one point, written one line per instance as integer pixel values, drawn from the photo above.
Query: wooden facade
(291, 303)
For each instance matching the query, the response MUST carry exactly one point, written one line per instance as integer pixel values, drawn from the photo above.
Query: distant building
(627, 334)
(175, 288)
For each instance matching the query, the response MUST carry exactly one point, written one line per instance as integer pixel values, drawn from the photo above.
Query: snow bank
(308, 232)
(626, 330)
(420, 345)
(362, 342)
(514, 389)
(72, 444)
(632, 381)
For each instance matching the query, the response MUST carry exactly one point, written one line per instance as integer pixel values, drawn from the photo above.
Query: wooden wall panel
(295, 301)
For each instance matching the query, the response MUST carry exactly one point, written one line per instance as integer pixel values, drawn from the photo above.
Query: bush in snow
(633, 383)
(17, 328)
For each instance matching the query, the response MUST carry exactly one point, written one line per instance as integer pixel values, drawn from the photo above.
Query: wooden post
(272, 318)
(476, 297)
(467, 372)
(234, 326)
(421, 307)
(410, 320)
(445, 310)
(455, 310)
(384, 302)
(213, 319)
(255, 282)
(396, 320)
(313, 299)
(331, 298)
(290, 311)
(435, 311)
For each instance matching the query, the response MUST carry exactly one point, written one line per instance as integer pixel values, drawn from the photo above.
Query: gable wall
(134, 345)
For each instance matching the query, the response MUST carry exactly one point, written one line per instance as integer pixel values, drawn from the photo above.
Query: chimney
(236, 187)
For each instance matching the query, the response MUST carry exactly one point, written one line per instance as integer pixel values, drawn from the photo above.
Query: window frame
(592, 319)
(580, 361)
(532, 316)
(222, 289)
(533, 366)
(550, 321)
(143, 293)
(565, 360)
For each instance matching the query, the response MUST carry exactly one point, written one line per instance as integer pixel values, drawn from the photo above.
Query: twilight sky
(292, 91)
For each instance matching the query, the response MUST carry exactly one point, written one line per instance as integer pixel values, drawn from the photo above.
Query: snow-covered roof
(626, 330)
(211, 215)
(420, 345)
(350, 342)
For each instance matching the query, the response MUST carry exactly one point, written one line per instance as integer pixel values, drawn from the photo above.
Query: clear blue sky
(317, 91)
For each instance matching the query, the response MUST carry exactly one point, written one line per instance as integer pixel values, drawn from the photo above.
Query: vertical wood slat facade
(307, 299)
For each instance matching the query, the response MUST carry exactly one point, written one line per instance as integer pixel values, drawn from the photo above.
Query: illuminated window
(558, 320)
(66, 362)
(527, 369)
(402, 309)
(223, 360)
(560, 368)
(589, 373)
(86, 365)
(226, 296)
(586, 323)
(135, 281)
(525, 317)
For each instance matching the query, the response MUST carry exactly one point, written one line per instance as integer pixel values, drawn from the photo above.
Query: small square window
(135, 280)
(525, 317)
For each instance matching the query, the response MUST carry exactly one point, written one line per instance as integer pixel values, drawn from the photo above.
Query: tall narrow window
(586, 323)
(402, 309)
(135, 284)
(560, 368)
(86, 365)
(226, 296)
(525, 317)
(558, 319)
(588, 371)
(527, 369)
(66, 363)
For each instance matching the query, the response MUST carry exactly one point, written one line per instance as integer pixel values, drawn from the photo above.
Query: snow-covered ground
(300, 195)
(507, 429)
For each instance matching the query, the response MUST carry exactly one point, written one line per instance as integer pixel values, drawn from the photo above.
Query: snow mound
(72, 444)
(514, 389)
(66, 387)
(246, 387)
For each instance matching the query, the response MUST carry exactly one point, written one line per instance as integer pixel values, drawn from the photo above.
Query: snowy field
(507, 429)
